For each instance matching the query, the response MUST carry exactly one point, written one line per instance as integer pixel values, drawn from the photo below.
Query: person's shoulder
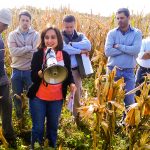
(146, 40)
(32, 30)
(114, 30)
(14, 32)
(37, 33)
(38, 52)
(80, 33)
(65, 53)
(136, 30)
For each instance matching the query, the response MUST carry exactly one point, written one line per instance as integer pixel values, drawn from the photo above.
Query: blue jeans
(40, 110)
(129, 78)
(141, 72)
(21, 80)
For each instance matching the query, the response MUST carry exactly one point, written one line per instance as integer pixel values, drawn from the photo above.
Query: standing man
(5, 101)
(122, 47)
(143, 61)
(75, 43)
(22, 43)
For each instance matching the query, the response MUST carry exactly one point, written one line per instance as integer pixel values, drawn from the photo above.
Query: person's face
(69, 27)
(123, 21)
(3, 27)
(50, 39)
(24, 22)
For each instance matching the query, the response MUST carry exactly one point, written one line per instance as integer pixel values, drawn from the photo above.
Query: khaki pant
(77, 97)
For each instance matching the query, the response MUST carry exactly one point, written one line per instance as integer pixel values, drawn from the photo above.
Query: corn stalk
(138, 119)
(102, 111)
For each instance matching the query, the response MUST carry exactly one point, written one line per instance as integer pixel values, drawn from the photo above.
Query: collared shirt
(144, 48)
(129, 44)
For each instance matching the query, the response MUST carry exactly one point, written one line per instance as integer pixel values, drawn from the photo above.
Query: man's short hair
(25, 13)
(69, 18)
(124, 10)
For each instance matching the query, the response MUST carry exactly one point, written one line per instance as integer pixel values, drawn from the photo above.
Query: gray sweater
(22, 49)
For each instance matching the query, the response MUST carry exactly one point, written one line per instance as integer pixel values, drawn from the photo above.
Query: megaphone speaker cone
(55, 74)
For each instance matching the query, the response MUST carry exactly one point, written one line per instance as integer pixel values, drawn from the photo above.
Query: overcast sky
(103, 7)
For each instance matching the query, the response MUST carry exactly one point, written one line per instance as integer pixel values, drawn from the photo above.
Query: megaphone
(54, 73)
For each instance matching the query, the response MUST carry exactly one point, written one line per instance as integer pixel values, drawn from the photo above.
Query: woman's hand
(72, 88)
(40, 73)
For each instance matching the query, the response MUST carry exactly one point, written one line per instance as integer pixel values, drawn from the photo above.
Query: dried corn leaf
(105, 127)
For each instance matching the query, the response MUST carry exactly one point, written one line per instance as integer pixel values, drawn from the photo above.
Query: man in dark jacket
(5, 101)
(75, 44)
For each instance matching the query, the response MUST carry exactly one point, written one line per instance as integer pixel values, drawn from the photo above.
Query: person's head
(5, 19)
(123, 16)
(24, 20)
(51, 37)
(69, 24)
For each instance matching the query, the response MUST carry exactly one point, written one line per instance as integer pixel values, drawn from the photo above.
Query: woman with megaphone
(50, 74)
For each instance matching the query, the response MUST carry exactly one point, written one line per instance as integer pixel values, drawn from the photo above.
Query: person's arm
(134, 49)
(84, 44)
(35, 68)
(109, 46)
(71, 50)
(1, 62)
(14, 49)
(142, 50)
(35, 44)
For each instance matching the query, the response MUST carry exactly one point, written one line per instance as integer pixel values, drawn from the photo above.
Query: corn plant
(138, 120)
(102, 110)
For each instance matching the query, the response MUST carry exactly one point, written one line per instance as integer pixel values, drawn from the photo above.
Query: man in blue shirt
(75, 43)
(122, 47)
(5, 101)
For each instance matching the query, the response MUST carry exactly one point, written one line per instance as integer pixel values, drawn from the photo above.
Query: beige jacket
(21, 50)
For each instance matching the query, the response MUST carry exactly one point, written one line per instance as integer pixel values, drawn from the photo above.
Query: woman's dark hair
(59, 38)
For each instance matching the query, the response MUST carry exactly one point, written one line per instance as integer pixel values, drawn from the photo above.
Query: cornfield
(104, 104)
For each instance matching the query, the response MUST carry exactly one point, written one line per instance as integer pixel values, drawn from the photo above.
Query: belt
(120, 68)
(75, 68)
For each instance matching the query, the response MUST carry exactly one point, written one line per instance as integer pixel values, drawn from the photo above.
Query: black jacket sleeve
(35, 67)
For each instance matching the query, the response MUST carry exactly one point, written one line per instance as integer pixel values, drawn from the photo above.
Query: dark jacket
(36, 65)
(3, 76)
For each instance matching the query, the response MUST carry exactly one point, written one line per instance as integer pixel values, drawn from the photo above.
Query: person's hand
(72, 88)
(40, 73)
(86, 52)
(116, 46)
(146, 56)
